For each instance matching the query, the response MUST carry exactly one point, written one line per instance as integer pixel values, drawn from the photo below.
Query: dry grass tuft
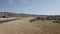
(36, 19)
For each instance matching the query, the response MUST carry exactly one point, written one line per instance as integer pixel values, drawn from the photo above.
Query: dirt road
(4, 20)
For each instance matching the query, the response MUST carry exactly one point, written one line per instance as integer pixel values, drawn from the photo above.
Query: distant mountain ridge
(10, 14)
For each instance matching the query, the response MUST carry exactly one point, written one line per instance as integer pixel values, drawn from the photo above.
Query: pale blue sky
(41, 7)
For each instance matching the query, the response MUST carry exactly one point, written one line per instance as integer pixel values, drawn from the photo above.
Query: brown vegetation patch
(56, 21)
(36, 19)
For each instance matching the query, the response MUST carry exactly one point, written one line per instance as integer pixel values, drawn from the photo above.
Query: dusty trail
(4, 20)
(23, 26)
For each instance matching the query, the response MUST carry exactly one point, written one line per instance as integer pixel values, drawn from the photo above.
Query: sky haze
(40, 7)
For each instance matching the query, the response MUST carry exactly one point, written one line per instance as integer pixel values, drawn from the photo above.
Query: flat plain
(24, 26)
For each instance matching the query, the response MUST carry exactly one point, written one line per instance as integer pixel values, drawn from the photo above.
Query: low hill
(10, 14)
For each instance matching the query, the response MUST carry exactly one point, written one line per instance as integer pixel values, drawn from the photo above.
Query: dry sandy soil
(23, 26)
(1, 19)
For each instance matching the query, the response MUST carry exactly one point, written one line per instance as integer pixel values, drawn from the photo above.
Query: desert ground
(24, 26)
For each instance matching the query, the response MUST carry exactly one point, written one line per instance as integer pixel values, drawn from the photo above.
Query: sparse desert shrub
(49, 18)
(56, 21)
(36, 19)
(57, 18)
(4, 16)
(32, 20)
(39, 18)
(52, 18)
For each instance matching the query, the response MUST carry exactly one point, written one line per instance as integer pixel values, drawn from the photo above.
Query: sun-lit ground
(24, 26)
(1, 19)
